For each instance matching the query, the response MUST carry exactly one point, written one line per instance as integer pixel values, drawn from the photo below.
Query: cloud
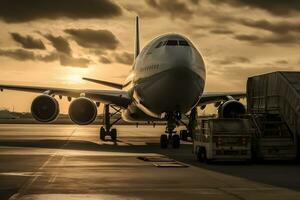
(248, 38)
(66, 60)
(28, 42)
(105, 60)
(25, 55)
(16, 11)
(195, 1)
(275, 7)
(278, 27)
(89, 38)
(282, 62)
(275, 32)
(52, 56)
(64, 53)
(140, 10)
(269, 39)
(60, 44)
(242, 73)
(18, 54)
(220, 78)
(222, 31)
(283, 27)
(231, 60)
(124, 58)
(175, 8)
(283, 32)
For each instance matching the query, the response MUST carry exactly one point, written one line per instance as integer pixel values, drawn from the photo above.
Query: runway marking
(54, 175)
(38, 173)
(170, 164)
(17, 173)
(163, 161)
(52, 179)
(231, 194)
(29, 183)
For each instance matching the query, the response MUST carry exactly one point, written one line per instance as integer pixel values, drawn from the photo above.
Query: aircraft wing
(213, 97)
(118, 98)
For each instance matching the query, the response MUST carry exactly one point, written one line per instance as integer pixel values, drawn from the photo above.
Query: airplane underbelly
(134, 114)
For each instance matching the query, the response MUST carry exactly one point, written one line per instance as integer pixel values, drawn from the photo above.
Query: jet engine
(45, 108)
(83, 111)
(231, 109)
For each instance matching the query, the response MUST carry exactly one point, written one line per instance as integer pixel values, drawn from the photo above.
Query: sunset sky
(55, 42)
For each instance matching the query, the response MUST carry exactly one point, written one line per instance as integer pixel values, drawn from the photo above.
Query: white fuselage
(167, 76)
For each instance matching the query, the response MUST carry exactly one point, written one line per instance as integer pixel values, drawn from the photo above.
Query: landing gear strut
(107, 129)
(184, 134)
(168, 137)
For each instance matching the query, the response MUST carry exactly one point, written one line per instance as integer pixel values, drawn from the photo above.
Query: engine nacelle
(231, 109)
(44, 108)
(82, 111)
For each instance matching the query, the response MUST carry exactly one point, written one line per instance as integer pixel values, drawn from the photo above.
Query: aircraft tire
(183, 135)
(163, 141)
(175, 141)
(113, 134)
(102, 133)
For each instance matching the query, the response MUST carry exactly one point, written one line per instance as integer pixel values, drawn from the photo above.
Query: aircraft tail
(137, 38)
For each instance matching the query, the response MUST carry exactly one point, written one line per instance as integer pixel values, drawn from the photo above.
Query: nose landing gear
(170, 136)
(173, 120)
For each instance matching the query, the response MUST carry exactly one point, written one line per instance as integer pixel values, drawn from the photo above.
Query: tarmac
(68, 162)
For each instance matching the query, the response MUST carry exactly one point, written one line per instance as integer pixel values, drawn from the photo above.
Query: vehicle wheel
(175, 141)
(201, 155)
(183, 135)
(248, 161)
(164, 141)
(102, 133)
(205, 159)
(113, 134)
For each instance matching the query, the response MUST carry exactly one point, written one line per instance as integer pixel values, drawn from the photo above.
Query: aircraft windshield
(172, 43)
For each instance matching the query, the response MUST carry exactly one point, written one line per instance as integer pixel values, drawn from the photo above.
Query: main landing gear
(170, 135)
(106, 129)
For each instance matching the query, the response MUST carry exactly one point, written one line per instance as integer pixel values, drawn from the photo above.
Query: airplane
(166, 81)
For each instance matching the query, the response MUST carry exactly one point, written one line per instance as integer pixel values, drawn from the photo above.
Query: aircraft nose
(181, 63)
(177, 89)
(181, 58)
(185, 58)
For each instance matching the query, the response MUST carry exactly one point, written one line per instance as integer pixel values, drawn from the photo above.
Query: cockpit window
(183, 43)
(159, 44)
(172, 43)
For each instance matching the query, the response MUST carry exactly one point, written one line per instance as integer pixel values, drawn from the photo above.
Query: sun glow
(74, 79)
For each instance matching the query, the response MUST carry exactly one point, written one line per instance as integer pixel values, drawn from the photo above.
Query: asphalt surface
(58, 162)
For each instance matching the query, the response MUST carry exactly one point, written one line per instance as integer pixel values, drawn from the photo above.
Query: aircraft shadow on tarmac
(82, 145)
(280, 174)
